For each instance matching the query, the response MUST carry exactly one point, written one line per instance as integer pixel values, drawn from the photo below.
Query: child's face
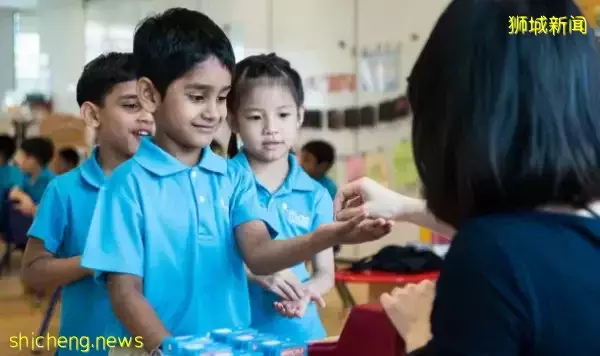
(121, 120)
(28, 164)
(63, 166)
(268, 120)
(309, 163)
(193, 107)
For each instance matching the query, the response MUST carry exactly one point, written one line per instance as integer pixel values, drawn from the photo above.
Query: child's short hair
(69, 155)
(168, 45)
(8, 146)
(40, 148)
(503, 122)
(323, 151)
(258, 70)
(102, 73)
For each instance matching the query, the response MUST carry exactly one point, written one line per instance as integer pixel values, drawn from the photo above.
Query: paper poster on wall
(355, 168)
(404, 173)
(379, 70)
(376, 168)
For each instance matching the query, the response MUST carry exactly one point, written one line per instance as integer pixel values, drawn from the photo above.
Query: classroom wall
(7, 57)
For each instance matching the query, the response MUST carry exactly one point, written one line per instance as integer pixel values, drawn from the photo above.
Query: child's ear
(89, 112)
(148, 96)
(300, 116)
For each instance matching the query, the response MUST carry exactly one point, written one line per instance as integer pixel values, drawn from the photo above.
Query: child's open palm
(297, 308)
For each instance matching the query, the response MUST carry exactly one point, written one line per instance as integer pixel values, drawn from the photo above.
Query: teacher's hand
(365, 196)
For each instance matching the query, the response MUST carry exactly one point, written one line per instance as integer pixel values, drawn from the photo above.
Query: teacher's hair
(505, 122)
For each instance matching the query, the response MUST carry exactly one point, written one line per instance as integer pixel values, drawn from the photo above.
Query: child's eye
(130, 106)
(283, 115)
(222, 98)
(254, 117)
(196, 98)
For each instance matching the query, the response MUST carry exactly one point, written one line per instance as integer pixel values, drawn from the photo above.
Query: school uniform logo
(294, 217)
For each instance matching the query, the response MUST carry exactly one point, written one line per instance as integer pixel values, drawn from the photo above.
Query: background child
(33, 158)
(317, 157)
(10, 175)
(266, 111)
(175, 225)
(68, 158)
(106, 94)
(217, 148)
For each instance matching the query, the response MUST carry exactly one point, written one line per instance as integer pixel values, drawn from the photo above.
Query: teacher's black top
(520, 284)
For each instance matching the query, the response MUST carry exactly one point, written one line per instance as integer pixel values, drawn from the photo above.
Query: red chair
(368, 331)
(374, 278)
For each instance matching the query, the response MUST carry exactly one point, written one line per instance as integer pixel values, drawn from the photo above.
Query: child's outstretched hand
(356, 230)
(297, 308)
(283, 283)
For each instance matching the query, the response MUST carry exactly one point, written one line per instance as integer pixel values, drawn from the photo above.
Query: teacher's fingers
(349, 213)
(346, 192)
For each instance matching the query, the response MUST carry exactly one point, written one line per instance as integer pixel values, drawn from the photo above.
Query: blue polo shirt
(520, 284)
(298, 207)
(35, 189)
(329, 184)
(173, 225)
(61, 222)
(10, 176)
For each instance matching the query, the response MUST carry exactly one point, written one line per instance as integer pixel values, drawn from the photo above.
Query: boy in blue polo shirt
(106, 93)
(32, 158)
(10, 175)
(174, 225)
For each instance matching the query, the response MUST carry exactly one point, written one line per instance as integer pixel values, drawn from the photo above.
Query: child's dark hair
(323, 151)
(260, 70)
(101, 74)
(69, 155)
(168, 45)
(40, 148)
(8, 146)
(503, 122)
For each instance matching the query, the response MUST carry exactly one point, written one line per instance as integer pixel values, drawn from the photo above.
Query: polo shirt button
(194, 174)
(201, 198)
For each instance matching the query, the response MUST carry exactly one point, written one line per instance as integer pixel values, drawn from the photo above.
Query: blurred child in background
(265, 107)
(10, 175)
(68, 158)
(217, 148)
(32, 158)
(317, 157)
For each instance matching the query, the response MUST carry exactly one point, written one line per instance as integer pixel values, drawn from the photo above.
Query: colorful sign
(404, 171)
(355, 168)
(376, 168)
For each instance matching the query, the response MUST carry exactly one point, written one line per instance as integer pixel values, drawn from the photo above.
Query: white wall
(7, 55)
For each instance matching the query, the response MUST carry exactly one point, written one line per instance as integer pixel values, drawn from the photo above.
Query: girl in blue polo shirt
(266, 111)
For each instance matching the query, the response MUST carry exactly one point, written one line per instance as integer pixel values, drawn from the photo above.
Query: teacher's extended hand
(365, 196)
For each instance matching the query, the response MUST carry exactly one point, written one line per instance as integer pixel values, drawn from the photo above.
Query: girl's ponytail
(232, 147)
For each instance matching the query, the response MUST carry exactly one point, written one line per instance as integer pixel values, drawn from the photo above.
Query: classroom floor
(19, 315)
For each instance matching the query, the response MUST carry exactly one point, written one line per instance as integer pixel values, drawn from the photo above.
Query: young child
(175, 225)
(106, 94)
(217, 148)
(10, 175)
(265, 108)
(317, 157)
(68, 158)
(32, 158)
